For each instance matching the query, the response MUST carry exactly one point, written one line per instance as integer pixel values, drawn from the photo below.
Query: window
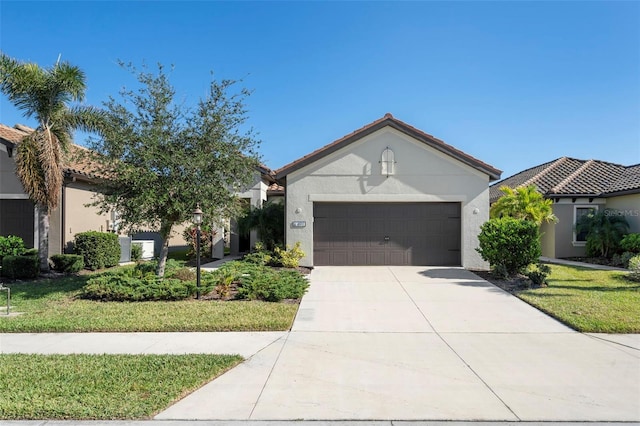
(578, 212)
(387, 162)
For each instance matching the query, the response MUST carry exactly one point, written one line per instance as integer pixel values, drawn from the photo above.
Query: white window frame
(593, 207)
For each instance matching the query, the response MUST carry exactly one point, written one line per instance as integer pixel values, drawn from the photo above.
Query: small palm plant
(524, 203)
(605, 229)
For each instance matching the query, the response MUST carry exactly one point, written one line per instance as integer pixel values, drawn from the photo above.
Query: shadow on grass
(44, 288)
(598, 288)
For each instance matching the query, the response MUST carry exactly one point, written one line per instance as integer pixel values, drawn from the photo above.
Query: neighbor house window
(578, 212)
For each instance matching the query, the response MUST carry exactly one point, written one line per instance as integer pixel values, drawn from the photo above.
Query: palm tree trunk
(43, 237)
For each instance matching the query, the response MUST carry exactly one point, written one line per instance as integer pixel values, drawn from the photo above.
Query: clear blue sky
(514, 84)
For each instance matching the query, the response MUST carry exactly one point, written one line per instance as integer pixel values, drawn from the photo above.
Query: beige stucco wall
(547, 239)
(422, 174)
(79, 218)
(9, 183)
(564, 209)
(629, 207)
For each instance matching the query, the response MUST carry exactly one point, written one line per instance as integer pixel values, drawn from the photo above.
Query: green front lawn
(589, 300)
(101, 386)
(51, 306)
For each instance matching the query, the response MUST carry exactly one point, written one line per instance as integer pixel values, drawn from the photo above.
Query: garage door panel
(418, 233)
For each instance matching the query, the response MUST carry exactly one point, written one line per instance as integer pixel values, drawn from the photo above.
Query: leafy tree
(524, 203)
(605, 229)
(162, 158)
(45, 94)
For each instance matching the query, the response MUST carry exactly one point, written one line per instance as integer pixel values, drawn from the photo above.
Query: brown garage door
(386, 234)
(16, 218)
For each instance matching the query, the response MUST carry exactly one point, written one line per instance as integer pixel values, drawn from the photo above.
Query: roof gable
(570, 177)
(390, 121)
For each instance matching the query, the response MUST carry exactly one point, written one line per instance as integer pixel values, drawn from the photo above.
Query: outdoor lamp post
(197, 219)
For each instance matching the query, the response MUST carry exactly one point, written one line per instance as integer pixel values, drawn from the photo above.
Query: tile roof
(391, 121)
(570, 177)
(275, 189)
(74, 164)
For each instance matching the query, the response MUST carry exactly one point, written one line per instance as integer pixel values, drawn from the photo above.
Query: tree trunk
(165, 233)
(43, 237)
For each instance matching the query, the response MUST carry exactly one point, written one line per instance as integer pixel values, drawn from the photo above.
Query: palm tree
(44, 94)
(524, 203)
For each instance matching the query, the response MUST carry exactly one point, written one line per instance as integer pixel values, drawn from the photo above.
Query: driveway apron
(423, 343)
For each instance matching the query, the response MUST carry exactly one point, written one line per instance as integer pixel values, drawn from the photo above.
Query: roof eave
(623, 192)
(388, 120)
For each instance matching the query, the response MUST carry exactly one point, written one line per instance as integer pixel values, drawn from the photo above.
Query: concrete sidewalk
(395, 343)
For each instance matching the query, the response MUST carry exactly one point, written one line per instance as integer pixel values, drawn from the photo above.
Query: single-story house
(578, 187)
(19, 216)
(387, 194)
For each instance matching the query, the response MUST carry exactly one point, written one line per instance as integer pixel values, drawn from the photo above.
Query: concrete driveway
(416, 343)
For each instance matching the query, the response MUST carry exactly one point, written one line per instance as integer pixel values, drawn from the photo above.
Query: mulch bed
(513, 285)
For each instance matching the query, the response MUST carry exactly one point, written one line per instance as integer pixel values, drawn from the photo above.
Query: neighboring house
(578, 187)
(18, 215)
(387, 194)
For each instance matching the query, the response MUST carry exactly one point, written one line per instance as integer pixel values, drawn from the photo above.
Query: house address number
(298, 224)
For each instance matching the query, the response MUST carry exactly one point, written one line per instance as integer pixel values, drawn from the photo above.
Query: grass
(589, 300)
(52, 306)
(101, 386)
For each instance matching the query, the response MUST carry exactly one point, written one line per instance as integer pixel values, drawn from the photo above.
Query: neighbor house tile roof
(74, 164)
(570, 177)
(391, 121)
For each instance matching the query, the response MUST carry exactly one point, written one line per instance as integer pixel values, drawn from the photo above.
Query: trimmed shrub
(131, 285)
(631, 243)
(99, 249)
(11, 246)
(509, 244)
(67, 263)
(289, 258)
(270, 285)
(20, 267)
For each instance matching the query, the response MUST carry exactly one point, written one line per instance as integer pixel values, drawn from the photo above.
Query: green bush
(538, 274)
(634, 268)
(129, 286)
(20, 267)
(271, 285)
(289, 258)
(259, 256)
(11, 246)
(67, 263)
(509, 244)
(99, 249)
(631, 243)
(136, 252)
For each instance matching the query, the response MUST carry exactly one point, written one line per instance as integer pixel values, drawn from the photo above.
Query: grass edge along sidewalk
(589, 300)
(101, 387)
